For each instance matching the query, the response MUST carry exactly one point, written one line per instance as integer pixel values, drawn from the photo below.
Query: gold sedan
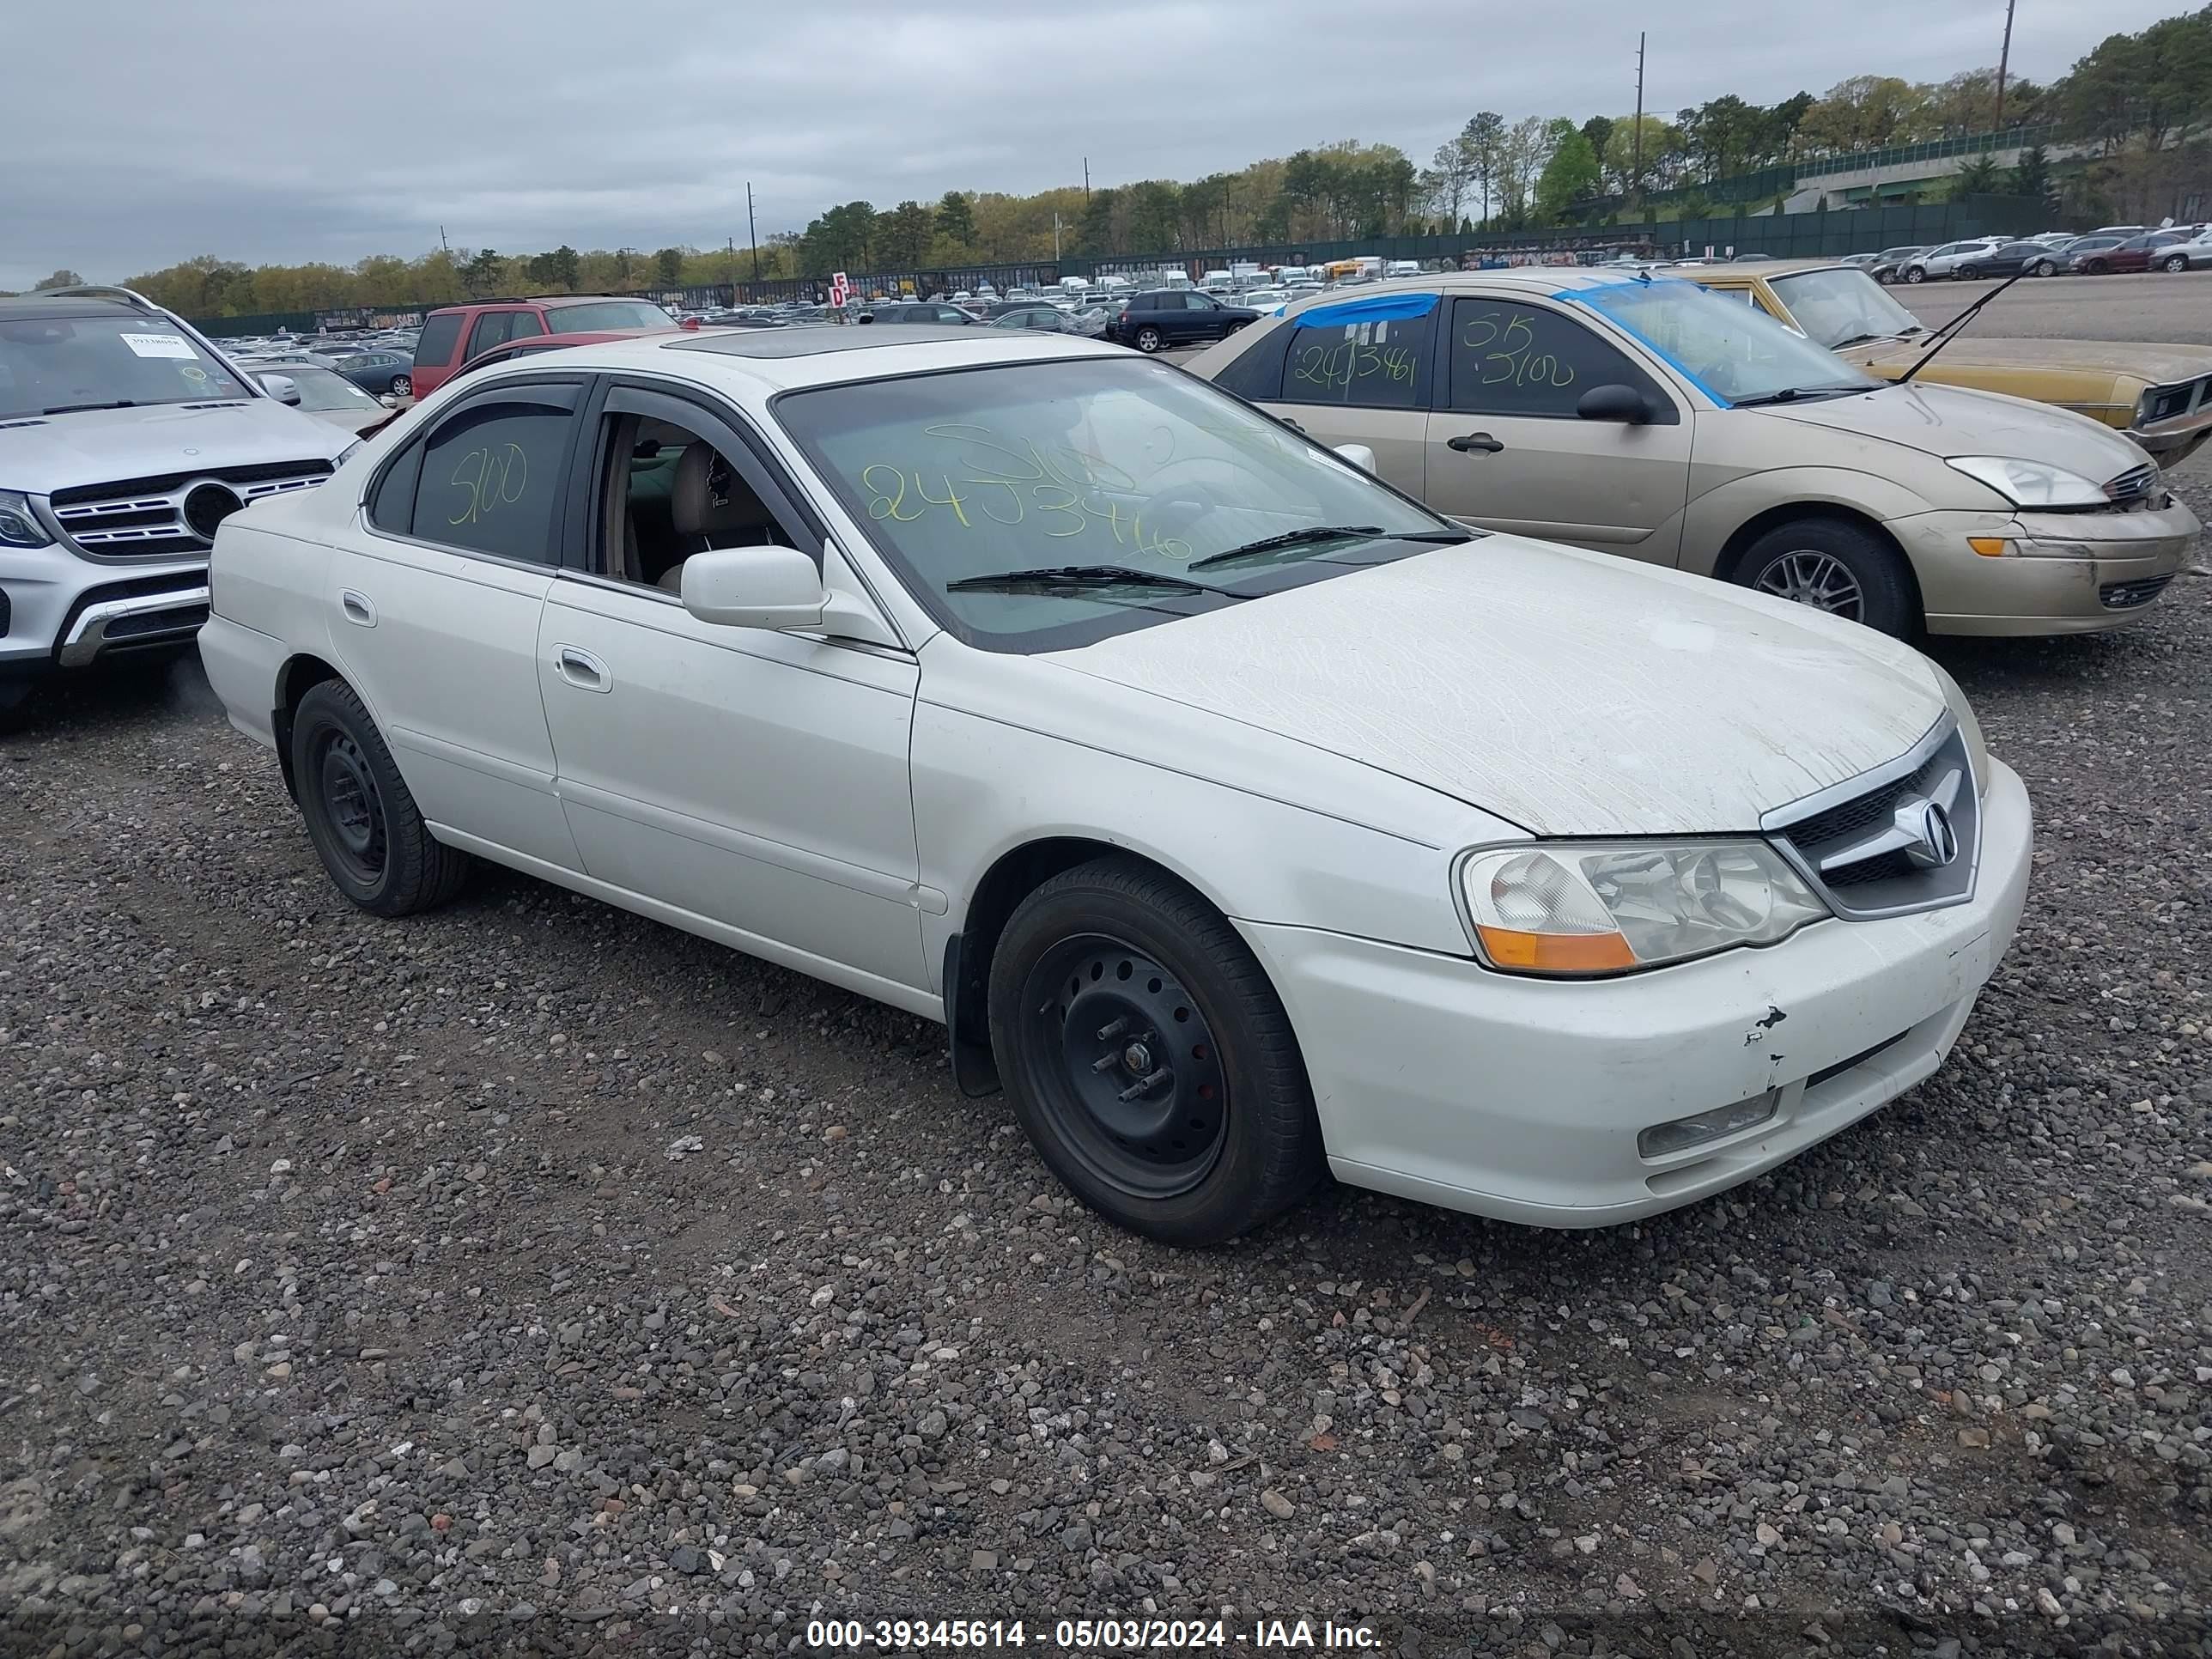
(2159, 395)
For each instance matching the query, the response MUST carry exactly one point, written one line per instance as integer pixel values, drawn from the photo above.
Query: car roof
(767, 360)
(32, 307)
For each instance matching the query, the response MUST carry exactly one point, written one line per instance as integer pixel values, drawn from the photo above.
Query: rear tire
(360, 814)
(1147, 1057)
(401, 385)
(1149, 340)
(1835, 565)
(1967, 273)
(1915, 274)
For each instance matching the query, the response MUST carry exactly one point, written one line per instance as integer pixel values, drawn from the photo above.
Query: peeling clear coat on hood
(1571, 693)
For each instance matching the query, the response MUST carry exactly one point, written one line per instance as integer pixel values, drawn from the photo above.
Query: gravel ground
(531, 1278)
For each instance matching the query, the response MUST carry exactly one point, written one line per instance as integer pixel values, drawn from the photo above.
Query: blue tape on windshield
(1383, 308)
(1583, 297)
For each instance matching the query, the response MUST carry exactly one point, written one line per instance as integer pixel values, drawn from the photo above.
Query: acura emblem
(1930, 841)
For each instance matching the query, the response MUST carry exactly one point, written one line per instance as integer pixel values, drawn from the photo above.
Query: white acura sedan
(1242, 817)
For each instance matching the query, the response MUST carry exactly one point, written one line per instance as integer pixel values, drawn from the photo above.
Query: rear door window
(493, 328)
(440, 335)
(1340, 355)
(494, 475)
(525, 324)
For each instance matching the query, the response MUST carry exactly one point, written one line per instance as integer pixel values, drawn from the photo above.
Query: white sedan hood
(1571, 693)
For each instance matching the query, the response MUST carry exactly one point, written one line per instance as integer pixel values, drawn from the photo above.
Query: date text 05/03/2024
(1087, 1635)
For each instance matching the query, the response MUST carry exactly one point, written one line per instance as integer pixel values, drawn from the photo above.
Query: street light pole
(751, 229)
(2005, 60)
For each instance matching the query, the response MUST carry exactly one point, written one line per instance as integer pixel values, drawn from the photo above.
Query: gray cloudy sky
(139, 132)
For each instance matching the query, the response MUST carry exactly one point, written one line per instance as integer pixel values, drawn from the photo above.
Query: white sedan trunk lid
(1571, 693)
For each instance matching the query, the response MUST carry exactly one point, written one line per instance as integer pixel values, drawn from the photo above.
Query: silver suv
(125, 438)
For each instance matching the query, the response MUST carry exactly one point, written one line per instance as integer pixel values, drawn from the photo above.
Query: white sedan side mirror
(777, 588)
(1358, 454)
(773, 587)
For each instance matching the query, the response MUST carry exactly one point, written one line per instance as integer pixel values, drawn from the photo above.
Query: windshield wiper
(73, 409)
(1790, 394)
(1326, 533)
(1951, 330)
(1083, 575)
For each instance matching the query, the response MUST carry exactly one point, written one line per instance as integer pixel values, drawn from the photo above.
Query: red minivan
(454, 334)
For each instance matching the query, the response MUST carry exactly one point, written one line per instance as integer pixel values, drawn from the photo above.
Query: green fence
(1935, 149)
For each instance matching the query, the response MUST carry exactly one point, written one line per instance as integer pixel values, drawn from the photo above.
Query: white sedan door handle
(358, 610)
(581, 669)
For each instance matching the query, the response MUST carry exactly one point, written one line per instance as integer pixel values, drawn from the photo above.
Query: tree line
(2139, 101)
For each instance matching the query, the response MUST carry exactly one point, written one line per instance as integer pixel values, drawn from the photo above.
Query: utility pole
(730, 259)
(442, 248)
(2004, 59)
(1635, 142)
(751, 229)
(1086, 181)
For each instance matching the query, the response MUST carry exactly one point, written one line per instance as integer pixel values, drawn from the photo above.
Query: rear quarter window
(1257, 372)
(441, 334)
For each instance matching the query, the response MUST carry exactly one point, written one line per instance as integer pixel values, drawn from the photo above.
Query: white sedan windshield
(963, 477)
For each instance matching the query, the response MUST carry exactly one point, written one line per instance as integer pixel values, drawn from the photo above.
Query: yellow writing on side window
(1350, 362)
(1516, 362)
(490, 478)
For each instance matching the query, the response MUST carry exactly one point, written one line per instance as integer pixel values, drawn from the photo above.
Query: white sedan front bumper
(1441, 1081)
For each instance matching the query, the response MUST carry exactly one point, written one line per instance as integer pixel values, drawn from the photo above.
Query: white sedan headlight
(1609, 906)
(2031, 483)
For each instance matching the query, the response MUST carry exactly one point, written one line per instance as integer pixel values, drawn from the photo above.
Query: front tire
(1833, 565)
(1915, 274)
(360, 813)
(2045, 268)
(1149, 340)
(1967, 273)
(2178, 262)
(1149, 1061)
(401, 385)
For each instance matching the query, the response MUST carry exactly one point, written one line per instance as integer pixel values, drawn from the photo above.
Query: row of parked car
(2054, 253)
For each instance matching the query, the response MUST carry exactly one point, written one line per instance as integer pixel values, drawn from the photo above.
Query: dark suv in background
(1176, 316)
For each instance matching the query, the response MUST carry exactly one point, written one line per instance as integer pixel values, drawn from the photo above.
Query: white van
(1175, 279)
(1218, 282)
(1403, 268)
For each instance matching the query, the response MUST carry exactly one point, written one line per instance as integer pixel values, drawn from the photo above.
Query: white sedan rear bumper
(1441, 1081)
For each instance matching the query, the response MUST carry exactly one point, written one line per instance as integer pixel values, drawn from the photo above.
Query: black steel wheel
(1140, 1089)
(360, 813)
(351, 804)
(1147, 1057)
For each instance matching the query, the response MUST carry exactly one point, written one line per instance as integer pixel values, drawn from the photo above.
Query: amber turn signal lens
(1556, 953)
(1990, 547)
